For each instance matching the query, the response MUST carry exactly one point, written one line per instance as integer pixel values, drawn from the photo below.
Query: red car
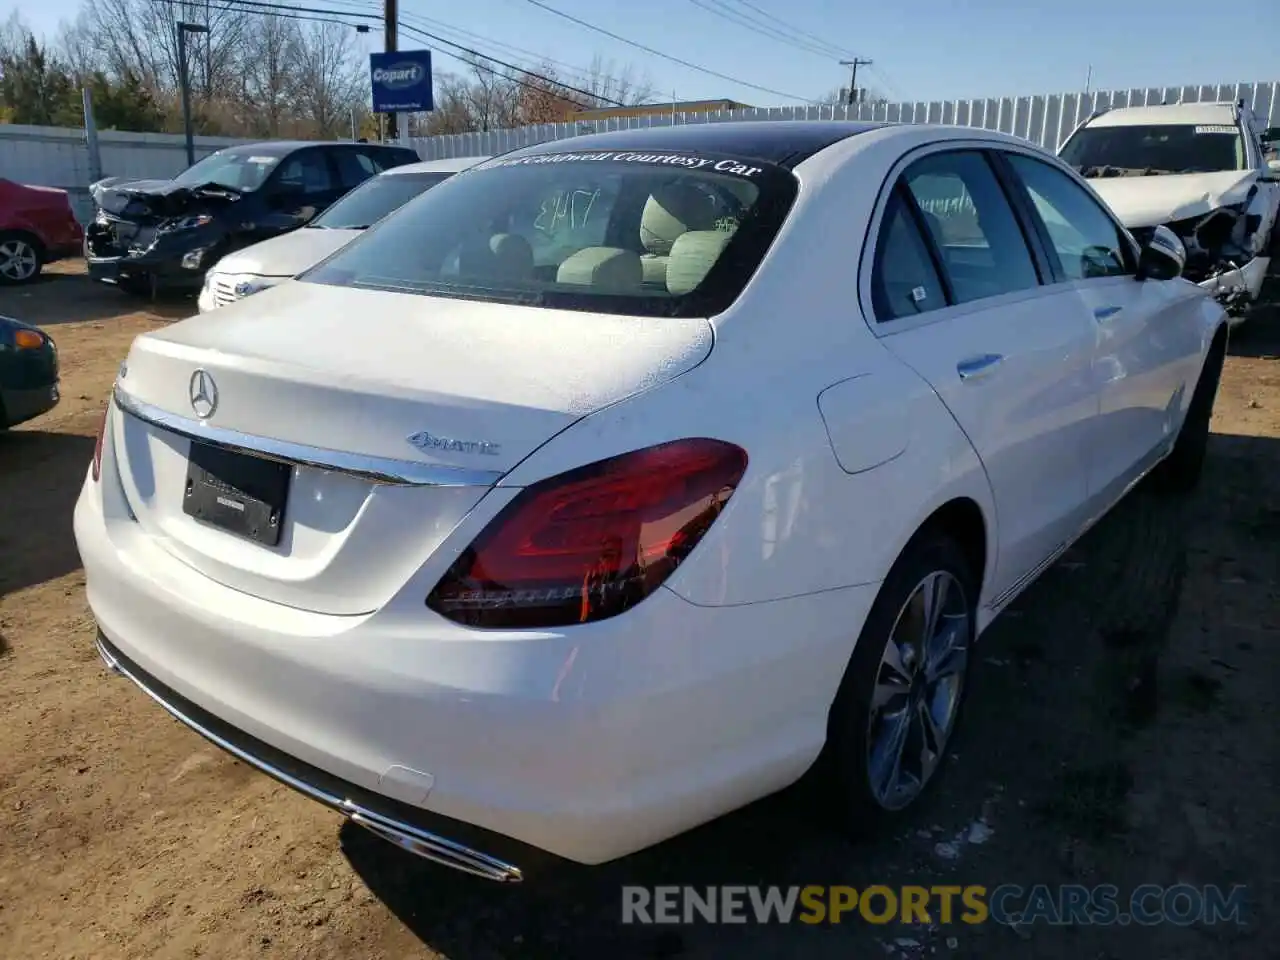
(37, 226)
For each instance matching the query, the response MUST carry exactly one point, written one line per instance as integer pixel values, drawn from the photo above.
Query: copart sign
(401, 81)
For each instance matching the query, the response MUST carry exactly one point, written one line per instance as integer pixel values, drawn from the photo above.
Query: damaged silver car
(1200, 169)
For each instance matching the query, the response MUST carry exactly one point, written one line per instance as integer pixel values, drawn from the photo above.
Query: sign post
(401, 81)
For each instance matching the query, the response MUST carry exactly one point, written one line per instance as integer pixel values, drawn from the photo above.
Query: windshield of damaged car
(239, 170)
(1155, 149)
(647, 234)
(374, 199)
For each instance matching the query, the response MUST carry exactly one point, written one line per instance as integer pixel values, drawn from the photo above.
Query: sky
(921, 49)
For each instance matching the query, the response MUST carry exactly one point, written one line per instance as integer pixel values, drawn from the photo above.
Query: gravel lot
(124, 835)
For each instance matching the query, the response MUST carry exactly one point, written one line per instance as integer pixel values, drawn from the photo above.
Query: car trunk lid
(397, 413)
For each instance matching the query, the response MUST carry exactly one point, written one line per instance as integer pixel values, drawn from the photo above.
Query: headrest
(504, 256)
(608, 269)
(692, 257)
(670, 211)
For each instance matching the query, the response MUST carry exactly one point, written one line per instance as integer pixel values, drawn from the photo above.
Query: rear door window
(904, 281)
(967, 215)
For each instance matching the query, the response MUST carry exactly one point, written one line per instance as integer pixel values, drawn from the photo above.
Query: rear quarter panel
(803, 519)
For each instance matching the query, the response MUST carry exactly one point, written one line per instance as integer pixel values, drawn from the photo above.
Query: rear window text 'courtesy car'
(660, 233)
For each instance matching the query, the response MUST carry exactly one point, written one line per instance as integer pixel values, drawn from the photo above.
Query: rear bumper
(589, 743)
(398, 823)
(19, 406)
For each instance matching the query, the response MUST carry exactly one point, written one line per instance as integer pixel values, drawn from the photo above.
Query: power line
(665, 56)
(478, 40)
(783, 25)
(554, 86)
(233, 6)
(721, 9)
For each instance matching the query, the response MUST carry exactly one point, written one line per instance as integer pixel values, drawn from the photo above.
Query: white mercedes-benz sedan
(617, 483)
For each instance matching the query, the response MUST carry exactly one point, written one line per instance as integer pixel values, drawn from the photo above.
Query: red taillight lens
(97, 447)
(593, 542)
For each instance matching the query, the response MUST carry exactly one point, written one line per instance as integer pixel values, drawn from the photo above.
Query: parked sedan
(606, 488)
(37, 226)
(28, 372)
(273, 261)
(149, 235)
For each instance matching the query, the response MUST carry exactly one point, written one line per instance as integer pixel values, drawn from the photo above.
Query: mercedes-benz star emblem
(242, 289)
(204, 394)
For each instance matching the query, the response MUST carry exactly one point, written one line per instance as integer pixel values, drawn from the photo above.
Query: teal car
(28, 372)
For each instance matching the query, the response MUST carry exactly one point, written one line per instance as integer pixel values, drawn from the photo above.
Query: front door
(1147, 333)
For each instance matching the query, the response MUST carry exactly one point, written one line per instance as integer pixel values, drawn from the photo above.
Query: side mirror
(1163, 257)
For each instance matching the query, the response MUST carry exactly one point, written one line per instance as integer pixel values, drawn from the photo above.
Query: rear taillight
(591, 543)
(97, 447)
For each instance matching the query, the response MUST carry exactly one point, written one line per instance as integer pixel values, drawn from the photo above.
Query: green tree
(34, 87)
(123, 104)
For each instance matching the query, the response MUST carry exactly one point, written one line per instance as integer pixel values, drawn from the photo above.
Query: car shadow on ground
(1259, 335)
(59, 297)
(1062, 684)
(40, 477)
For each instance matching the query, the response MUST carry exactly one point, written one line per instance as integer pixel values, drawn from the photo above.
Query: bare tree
(269, 57)
(76, 44)
(611, 84)
(328, 82)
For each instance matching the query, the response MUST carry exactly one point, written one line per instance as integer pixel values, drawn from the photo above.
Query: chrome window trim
(381, 470)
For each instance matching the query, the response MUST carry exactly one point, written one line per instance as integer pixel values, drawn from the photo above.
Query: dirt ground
(124, 835)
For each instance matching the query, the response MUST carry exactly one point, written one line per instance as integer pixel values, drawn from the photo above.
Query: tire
(857, 735)
(21, 258)
(1180, 472)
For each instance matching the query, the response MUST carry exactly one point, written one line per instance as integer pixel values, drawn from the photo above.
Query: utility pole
(855, 63)
(391, 24)
(184, 80)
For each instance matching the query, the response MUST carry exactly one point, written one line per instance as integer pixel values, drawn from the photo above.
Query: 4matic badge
(430, 443)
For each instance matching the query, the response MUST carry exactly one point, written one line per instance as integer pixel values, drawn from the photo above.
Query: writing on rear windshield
(682, 160)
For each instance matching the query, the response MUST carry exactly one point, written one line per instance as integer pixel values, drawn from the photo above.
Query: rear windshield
(1158, 149)
(241, 170)
(374, 199)
(650, 234)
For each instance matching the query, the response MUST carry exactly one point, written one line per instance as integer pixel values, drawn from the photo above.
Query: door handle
(975, 367)
(1106, 313)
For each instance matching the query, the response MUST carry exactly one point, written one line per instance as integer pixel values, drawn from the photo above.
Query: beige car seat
(670, 212)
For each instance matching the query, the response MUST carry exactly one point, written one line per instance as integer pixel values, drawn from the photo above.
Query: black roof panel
(782, 142)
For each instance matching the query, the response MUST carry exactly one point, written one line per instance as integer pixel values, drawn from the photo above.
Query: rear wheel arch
(21, 233)
(961, 520)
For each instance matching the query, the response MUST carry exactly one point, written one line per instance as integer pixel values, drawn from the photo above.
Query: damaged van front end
(1199, 169)
(1226, 221)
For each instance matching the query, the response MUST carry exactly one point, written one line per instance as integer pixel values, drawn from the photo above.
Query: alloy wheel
(18, 260)
(917, 690)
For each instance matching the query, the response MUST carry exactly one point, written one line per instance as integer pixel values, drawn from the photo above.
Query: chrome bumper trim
(413, 839)
(383, 470)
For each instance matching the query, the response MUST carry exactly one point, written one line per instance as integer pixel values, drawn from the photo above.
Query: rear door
(958, 294)
(1147, 334)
